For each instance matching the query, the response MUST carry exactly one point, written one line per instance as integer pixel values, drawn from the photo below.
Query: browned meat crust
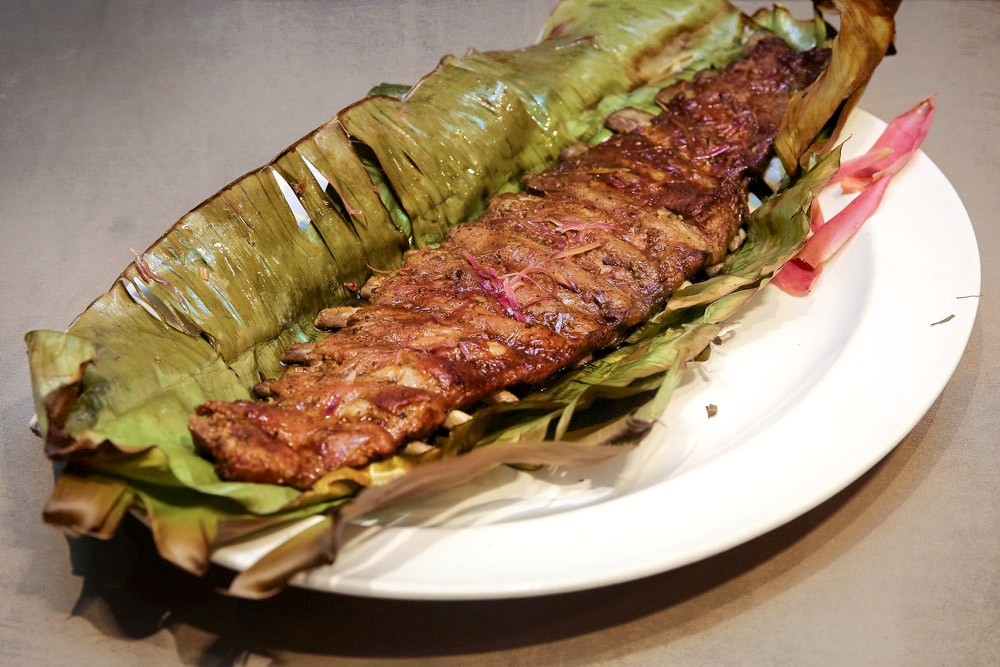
(539, 282)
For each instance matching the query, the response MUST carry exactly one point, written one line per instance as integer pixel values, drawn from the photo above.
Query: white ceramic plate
(811, 392)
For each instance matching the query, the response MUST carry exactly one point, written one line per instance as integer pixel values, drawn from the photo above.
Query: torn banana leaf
(474, 125)
(207, 310)
(817, 114)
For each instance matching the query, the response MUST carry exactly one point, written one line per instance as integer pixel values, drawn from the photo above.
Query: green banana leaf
(500, 114)
(208, 309)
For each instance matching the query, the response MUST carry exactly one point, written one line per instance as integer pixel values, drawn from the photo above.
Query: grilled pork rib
(544, 278)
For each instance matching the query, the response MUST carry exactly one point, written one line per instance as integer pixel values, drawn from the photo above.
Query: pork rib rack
(544, 278)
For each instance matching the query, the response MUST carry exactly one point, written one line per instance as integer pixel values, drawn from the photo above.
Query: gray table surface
(117, 117)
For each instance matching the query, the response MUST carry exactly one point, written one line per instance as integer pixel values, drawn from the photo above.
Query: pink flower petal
(832, 236)
(796, 277)
(898, 142)
(869, 174)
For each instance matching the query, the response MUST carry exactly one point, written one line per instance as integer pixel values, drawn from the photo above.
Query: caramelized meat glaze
(543, 279)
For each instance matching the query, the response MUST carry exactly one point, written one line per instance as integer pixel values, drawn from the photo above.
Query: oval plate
(810, 393)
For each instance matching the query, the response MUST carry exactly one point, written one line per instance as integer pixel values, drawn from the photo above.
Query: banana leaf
(208, 309)
(817, 114)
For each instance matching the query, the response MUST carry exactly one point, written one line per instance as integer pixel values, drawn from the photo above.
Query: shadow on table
(129, 591)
